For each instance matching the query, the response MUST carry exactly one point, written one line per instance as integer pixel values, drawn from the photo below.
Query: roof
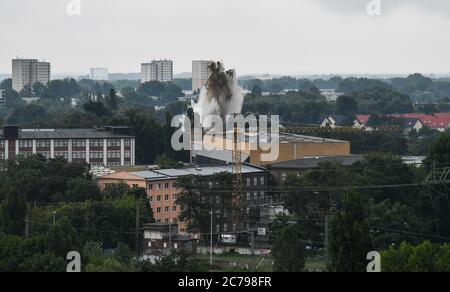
(148, 174)
(309, 163)
(295, 138)
(435, 121)
(122, 176)
(363, 119)
(70, 133)
(208, 171)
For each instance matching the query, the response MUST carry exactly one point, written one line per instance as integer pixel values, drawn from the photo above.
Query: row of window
(167, 210)
(256, 181)
(65, 143)
(167, 221)
(160, 186)
(166, 198)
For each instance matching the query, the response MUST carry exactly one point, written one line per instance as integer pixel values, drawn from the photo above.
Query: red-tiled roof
(363, 118)
(436, 121)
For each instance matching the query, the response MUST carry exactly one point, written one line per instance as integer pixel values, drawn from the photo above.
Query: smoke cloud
(222, 95)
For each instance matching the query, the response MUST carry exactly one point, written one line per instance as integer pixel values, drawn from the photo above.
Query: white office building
(161, 71)
(99, 74)
(200, 74)
(27, 72)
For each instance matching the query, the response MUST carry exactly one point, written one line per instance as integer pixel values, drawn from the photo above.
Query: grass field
(241, 263)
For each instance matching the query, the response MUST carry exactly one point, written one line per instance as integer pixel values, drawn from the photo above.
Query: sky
(288, 37)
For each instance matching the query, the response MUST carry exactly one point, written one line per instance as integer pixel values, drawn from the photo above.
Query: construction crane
(237, 173)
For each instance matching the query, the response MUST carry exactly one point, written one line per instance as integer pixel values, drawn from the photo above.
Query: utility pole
(253, 248)
(137, 227)
(327, 239)
(26, 226)
(211, 242)
(170, 237)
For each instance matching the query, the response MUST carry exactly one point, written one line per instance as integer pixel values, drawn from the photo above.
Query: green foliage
(425, 257)
(288, 251)
(165, 162)
(439, 151)
(14, 209)
(351, 85)
(350, 236)
(382, 101)
(199, 195)
(346, 105)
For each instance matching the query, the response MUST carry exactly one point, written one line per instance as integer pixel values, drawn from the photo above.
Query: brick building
(105, 146)
(163, 193)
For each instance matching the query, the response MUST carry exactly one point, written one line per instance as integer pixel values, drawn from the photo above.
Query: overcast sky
(253, 36)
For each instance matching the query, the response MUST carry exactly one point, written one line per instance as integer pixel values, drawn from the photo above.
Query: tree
(350, 236)
(199, 194)
(111, 100)
(289, 251)
(346, 105)
(14, 211)
(256, 90)
(425, 257)
(439, 151)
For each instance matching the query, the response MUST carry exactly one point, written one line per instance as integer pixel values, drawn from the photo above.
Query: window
(165, 244)
(225, 228)
(166, 185)
(158, 198)
(127, 142)
(166, 198)
(174, 198)
(175, 245)
(150, 186)
(262, 180)
(151, 199)
(174, 209)
(79, 143)
(283, 176)
(127, 154)
(248, 181)
(2, 143)
(96, 155)
(63, 154)
(158, 210)
(114, 143)
(43, 144)
(96, 143)
(78, 155)
(61, 143)
(255, 181)
(166, 209)
(22, 143)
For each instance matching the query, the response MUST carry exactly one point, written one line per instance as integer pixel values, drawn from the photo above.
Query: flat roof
(314, 162)
(31, 134)
(205, 171)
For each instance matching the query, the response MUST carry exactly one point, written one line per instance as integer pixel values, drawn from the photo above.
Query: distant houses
(408, 122)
